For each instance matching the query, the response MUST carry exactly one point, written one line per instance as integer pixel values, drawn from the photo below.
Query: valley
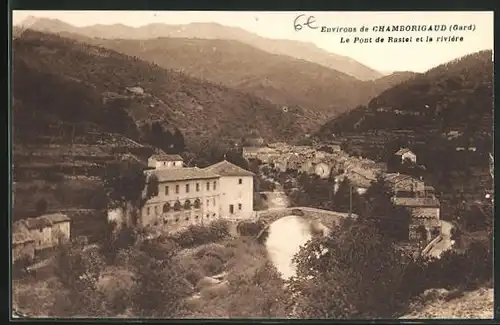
(199, 170)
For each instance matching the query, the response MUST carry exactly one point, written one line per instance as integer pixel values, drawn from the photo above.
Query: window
(215, 185)
(208, 203)
(240, 181)
(177, 219)
(213, 215)
(187, 205)
(166, 207)
(213, 201)
(177, 206)
(166, 190)
(197, 187)
(187, 188)
(147, 211)
(208, 216)
(165, 221)
(196, 217)
(197, 203)
(156, 209)
(231, 208)
(164, 163)
(187, 218)
(208, 186)
(176, 189)
(239, 206)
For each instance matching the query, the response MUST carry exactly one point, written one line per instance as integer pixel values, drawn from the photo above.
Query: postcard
(258, 165)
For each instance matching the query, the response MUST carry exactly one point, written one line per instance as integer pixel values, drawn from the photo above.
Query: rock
(206, 282)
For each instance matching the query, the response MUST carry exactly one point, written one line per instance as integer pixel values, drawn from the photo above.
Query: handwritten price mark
(308, 22)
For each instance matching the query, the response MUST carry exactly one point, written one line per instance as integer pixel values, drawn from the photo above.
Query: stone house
(165, 161)
(425, 216)
(401, 183)
(61, 231)
(406, 154)
(40, 229)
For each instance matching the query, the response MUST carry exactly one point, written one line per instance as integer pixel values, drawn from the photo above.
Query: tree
(178, 142)
(41, 206)
(342, 198)
(159, 286)
(152, 187)
(124, 185)
(390, 220)
(79, 270)
(352, 273)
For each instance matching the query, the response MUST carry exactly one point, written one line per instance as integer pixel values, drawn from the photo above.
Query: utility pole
(350, 199)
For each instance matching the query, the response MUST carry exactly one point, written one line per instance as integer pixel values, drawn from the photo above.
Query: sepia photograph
(255, 165)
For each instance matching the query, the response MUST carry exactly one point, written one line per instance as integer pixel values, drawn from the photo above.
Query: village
(197, 196)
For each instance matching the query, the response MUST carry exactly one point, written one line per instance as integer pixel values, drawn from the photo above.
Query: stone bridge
(326, 217)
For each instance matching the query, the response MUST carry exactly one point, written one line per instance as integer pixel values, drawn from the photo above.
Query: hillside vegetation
(310, 89)
(296, 49)
(454, 95)
(58, 79)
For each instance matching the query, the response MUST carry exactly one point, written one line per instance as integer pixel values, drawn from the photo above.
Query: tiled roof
(56, 217)
(166, 157)
(402, 151)
(36, 223)
(416, 202)
(225, 168)
(395, 178)
(180, 174)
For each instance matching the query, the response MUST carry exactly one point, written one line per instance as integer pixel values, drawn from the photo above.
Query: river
(286, 236)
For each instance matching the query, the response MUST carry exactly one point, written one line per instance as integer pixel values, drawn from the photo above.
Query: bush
(474, 265)
(212, 258)
(196, 235)
(352, 273)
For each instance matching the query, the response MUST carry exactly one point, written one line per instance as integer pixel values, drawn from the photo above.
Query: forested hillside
(455, 95)
(112, 92)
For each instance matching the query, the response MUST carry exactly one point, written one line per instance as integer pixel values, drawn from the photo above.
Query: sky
(384, 57)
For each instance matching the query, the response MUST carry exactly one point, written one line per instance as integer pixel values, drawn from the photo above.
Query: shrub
(212, 258)
(196, 235)
(41, 206)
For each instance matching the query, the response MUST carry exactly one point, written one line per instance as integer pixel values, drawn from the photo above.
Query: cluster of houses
(34, 235)
(410, 192)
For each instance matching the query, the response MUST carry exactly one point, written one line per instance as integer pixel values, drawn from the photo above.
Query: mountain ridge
(318, 93)
(201, 110)
(297, 49)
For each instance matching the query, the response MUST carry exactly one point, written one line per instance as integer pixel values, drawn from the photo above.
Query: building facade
(165, 161)
(61, 230)
(191, 195)
(46, 231)
(236, 190)
(425, 217)
(40, 229)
